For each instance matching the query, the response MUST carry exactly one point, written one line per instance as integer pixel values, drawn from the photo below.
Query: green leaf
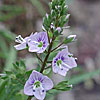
(68, 40)
(63, 86)
(28, 73)
(10, 59)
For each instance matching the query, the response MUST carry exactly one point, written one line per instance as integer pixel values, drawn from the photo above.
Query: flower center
(59, 62)
(70, 55)
(37, 84)
(40, 44)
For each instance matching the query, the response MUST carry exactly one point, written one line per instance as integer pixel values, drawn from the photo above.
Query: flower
(58, 29)
(39, 42)
(37, 85)
(52, 26)
(63, 62)
(23, 42)
(36, 42)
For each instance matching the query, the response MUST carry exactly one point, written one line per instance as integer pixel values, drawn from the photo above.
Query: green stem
(39, 58)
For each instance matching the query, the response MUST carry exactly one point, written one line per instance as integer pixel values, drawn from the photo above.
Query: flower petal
(35, 39)
(28, 88)
(35, 76)
(39, 93)
(47, 83)
(20, 46)
(71, 62)
(62, 71)
(33, 48)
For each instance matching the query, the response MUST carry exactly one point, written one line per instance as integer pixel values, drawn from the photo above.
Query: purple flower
(52, 26)
(37, 85)
(58, 29)
(39, 42)
(22, 42)
(63, 62)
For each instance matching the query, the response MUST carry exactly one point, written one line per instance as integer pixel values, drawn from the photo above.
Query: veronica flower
(58, 29)
(63, 62)
(23, 42)
(52, 26)
(39, 42)
(37, 85)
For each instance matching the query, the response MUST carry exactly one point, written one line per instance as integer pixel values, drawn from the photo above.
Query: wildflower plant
(36, 83)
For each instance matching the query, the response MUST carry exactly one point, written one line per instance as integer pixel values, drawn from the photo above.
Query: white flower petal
(47, 83)
(28, 89)
(39, 93)
(20, 46)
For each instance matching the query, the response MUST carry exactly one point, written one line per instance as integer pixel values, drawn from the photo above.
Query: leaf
(63, 86)
(10, 59)
(28, 73)
(2, 89)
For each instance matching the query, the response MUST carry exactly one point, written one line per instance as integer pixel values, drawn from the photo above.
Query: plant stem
(39, 58)
(48, 67)
(48, 37)
(57, 47)
(46, 58)
(29, 98)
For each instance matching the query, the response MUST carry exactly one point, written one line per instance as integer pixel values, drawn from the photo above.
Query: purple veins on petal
(39, 42)
(37, 85)
(63, 62)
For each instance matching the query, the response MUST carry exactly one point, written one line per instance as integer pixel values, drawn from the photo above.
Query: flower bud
(68, 15)
(70, 38)
(58, 29)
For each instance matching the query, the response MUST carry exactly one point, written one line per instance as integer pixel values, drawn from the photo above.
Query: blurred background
(25, 16)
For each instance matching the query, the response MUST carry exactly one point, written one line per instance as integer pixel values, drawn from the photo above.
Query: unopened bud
(72, 37)
(58, 29)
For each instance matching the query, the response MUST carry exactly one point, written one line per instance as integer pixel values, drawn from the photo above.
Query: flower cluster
(39, 42)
